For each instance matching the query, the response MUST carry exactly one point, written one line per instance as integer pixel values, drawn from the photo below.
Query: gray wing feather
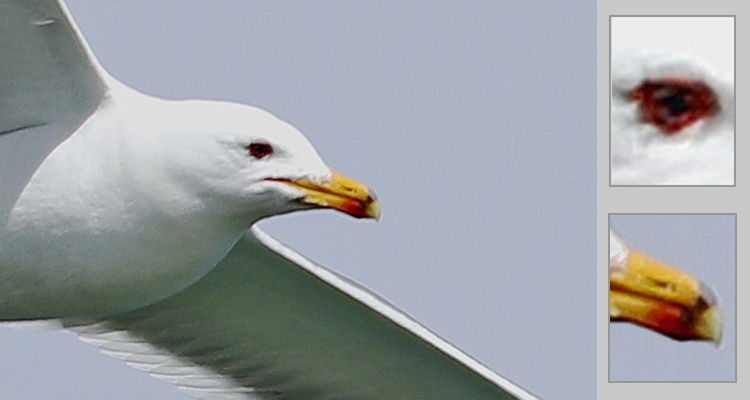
(49, 84)
(268, 324)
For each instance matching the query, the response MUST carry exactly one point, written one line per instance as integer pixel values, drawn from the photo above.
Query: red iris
(674, 104)
(260, 150)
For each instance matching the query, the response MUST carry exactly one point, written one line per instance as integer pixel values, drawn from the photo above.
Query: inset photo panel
(672, 100)
(672, 301)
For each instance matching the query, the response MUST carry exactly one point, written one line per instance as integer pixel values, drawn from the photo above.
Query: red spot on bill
(356, 208)
(673, 321)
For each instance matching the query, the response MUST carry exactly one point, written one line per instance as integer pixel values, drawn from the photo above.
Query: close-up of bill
(672, 298)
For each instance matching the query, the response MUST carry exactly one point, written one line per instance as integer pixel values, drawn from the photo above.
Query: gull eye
(674, 104)
(259, 150)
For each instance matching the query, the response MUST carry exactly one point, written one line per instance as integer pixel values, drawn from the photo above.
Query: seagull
(672, 121)
(658, 297)
(130, 220)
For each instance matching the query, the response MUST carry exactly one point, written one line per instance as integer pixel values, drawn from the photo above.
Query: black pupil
(259, 150)
(677, 101)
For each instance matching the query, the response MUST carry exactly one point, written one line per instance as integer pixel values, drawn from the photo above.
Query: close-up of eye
(260, 150)
(672, 105)
(672, 101)
(672, 121)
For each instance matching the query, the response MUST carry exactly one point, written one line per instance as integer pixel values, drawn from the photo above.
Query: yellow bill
(664, 299)
(339, 193)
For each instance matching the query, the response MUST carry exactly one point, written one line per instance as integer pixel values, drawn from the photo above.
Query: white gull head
(145, 198)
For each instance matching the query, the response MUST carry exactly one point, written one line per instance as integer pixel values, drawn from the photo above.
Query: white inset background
(708, 39)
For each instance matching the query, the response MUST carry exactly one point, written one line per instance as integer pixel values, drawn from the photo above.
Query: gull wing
(267, 323)
(49, 84)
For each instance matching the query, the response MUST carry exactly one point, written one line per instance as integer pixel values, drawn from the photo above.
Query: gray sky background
(473, 121)
(703, 245)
